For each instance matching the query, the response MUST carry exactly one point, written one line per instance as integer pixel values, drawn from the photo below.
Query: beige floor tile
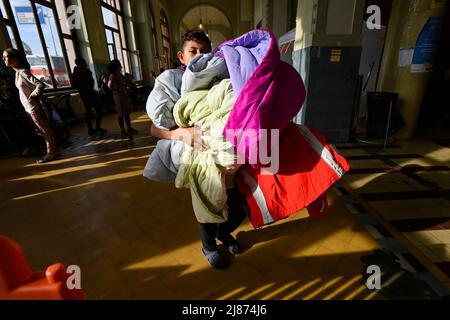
(364, 241)
(425, 238)
(442, 251)
(429, 253)
(442, 235)
(353, 152)
(380, 182)
(442, 178)
(363, 164)
(423, 162)
(413, 209)
(411, 236)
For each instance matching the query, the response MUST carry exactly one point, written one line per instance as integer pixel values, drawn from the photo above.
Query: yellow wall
(407, 19)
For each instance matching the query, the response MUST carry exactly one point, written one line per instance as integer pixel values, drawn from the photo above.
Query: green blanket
(201, 170)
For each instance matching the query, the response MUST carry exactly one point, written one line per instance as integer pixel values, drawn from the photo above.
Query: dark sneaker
(45, 159)
(91, 131)
(215, 259)
(132, 131)
(124, 133)
(101, 130)
(27, 153)
(231, 244)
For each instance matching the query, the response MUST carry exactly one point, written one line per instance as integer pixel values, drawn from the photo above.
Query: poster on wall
(426, 46)
(25, 15)
(405, 57)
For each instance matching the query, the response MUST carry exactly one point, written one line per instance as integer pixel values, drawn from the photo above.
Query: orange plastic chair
(19, 282)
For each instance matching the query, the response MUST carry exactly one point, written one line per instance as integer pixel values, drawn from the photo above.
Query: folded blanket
(270, 92)
(201, 170)
(266, 93)
(163, 97)
(309, 166)
(202, 73)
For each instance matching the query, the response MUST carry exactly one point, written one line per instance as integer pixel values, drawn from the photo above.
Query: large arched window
(154, 42)
(41, 30)
(115, 33)
(165, 39)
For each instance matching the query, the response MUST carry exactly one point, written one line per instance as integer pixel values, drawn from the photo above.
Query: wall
(229, 7)
(331, 83)
(306, 14)
(407, 20)
(280, 17)
(246, 16)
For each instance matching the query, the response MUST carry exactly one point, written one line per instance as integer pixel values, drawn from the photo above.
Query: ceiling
(210, 16)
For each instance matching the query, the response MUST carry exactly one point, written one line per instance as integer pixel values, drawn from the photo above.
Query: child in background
(117, 84)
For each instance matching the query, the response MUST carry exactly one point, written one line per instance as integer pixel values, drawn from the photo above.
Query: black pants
(127, 121)
(90, 102)
(237, 211)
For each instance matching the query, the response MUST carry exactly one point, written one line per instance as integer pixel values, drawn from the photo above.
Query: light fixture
(200, 26)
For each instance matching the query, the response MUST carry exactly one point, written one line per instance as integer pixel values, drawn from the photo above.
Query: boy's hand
(231, 171)
(191, 136)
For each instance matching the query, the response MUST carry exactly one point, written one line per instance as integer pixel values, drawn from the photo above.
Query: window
(154, 42)
(155, 46)
(48, 46)
(165, 40)
(2, 9)
(115, 33)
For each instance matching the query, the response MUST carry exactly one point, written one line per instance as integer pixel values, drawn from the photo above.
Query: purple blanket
(269, 91)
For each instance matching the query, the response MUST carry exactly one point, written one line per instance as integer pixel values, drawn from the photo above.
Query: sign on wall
(426, 46)
(25, 15)
(405, 57)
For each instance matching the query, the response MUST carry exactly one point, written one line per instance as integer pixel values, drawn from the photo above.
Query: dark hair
(113, 65)
(195, 35)
(20, 56)
(79, 61)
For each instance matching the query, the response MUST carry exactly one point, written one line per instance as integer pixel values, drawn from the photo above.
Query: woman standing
(117, 84)
(30, 89)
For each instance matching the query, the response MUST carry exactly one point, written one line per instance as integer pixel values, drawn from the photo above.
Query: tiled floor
(408, 185)
(134, 238)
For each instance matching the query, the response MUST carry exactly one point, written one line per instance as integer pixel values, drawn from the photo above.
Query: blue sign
(426, 45)
(25, 15)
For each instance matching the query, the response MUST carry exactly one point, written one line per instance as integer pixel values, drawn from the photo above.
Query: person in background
(84, 82)
(153, 79)
(131, 88)
(46, 78)
(15, 125)
(122, 103)
(105, 94)
(30, 90)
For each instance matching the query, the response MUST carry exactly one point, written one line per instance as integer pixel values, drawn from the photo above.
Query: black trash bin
(378, 106)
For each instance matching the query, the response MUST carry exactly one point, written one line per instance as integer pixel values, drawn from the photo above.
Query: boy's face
(192, 49)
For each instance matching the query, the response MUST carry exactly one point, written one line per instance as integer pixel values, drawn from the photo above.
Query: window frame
(122, 37)
(10, 21)
(164, 23)
(154, 39)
